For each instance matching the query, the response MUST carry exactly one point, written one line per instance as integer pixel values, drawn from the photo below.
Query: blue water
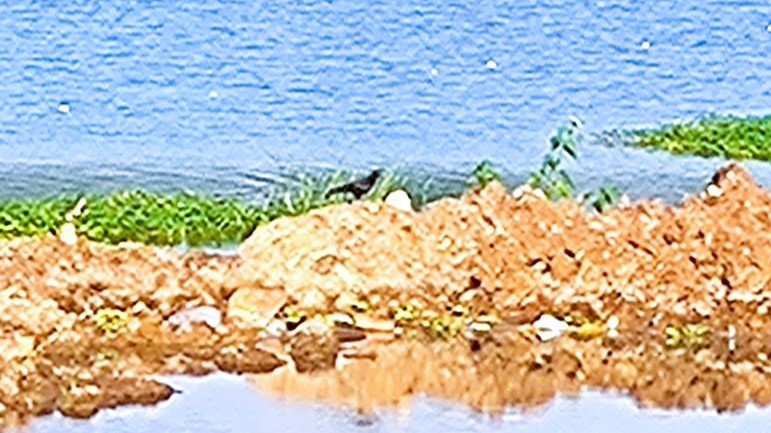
(229, 96)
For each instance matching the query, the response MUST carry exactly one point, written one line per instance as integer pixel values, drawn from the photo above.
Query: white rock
(68, 234)
(548, 327)
(612, 327)
(275, 328)
(400, 200)
(613, 322)
(368, 323)
(338, 319)
(521, 190)
(731, 338)
(186, 318)
(714, 191)
(480, 327)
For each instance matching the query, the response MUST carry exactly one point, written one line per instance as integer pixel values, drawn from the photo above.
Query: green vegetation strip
(179, 219)
(724, 136)
(193, 220)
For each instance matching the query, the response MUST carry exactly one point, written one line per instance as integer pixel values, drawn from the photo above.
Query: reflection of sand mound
(516, 371)
(692, 260)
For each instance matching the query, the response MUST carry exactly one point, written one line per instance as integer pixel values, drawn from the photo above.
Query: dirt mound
(303, 290)
(516, 250)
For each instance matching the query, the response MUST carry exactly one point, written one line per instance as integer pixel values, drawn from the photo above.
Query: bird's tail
(335, 190)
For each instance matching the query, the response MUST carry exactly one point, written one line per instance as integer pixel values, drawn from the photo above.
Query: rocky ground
(492, 299)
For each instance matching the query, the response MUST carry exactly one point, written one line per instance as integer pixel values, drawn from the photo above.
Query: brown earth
(509, 256)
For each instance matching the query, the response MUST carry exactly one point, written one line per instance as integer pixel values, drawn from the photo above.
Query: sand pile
(517, 252)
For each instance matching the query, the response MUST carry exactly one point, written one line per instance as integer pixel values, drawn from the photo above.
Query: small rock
(313, 347)
(255, 307)
(76, 211)
(68, 234)
(276, 328)
(480, 327)
(538, 192)
(469, 295)
(400, 200)
(731, 338)
(339, 319)
(138, 308)
(612, 325)
(486, 318)
(613, 322)
(521, 190)
(548, 327)
(714, 191)
(368, 323)
(188, 317)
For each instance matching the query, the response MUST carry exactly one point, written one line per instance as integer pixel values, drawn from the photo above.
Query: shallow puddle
(228, 403)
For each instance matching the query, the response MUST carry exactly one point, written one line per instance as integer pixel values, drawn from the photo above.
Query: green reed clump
(603, 198)
(483, 174)
(550, 178)
(311, 193)
(724, 136)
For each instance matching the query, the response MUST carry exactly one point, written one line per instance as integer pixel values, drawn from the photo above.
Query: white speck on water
(213, 94)
(768, 29)
(491, 64)
(64, 108)
(434, 72)
(645, 45)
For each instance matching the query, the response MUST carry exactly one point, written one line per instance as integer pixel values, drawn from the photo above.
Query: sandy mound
(516, 249)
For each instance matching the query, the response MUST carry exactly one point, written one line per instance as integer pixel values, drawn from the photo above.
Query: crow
(358, 187)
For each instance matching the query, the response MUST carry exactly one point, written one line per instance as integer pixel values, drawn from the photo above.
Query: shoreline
(667, 303)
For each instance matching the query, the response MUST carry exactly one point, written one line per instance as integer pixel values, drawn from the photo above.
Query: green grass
(193, 220)
(168, 219)
(178, 219)
(730, 137)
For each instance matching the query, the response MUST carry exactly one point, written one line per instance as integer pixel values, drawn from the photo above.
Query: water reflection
(515, 370)
(229, 404)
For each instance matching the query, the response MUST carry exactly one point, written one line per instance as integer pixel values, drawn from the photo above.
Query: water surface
(227, 404)
(226, 95)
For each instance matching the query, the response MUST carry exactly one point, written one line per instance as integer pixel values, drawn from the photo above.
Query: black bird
(358, 187)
